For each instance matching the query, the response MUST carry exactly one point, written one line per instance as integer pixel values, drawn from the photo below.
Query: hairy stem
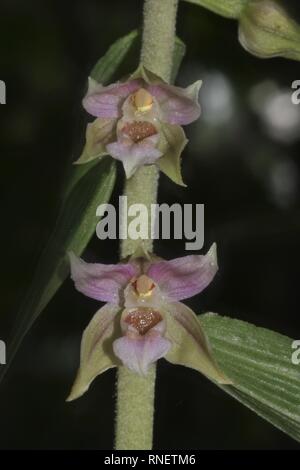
(135, 394)
(141, 188)
(135, 410)
(159, 36)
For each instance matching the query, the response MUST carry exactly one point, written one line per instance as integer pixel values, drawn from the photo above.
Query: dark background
(242, 163)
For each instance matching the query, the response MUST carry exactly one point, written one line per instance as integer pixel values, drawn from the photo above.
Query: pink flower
(143, 319)
(138, 122)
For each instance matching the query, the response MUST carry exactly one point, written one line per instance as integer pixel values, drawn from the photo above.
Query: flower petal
(184, 277)
(178, 105)
(106, 102)
(139, 352)
(98, 134)
(172, 143)
(190, 346)
(101, 281)
(96, 354)
(135, 155)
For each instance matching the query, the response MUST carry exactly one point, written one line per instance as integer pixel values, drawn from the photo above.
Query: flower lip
(142, 100)
(142, 320)
(139, 130)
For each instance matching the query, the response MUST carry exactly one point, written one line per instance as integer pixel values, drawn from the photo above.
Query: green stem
(159, 36)
(135, 410)
(141, 188)
(135, 394)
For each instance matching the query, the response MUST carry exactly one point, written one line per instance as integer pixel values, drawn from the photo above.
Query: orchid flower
(139, 122)
(143, 319)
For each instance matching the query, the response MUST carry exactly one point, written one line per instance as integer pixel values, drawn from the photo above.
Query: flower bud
(266, 30)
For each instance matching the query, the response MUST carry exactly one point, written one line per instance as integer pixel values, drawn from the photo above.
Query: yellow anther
(143, 100)
(143, 285)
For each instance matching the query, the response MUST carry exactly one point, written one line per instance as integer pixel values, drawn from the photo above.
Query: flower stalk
(135, 394)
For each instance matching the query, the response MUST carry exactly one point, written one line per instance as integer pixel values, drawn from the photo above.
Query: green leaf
(227, 8)
(74, 228)
(106, 67)
(259, 362)
(77, 172)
